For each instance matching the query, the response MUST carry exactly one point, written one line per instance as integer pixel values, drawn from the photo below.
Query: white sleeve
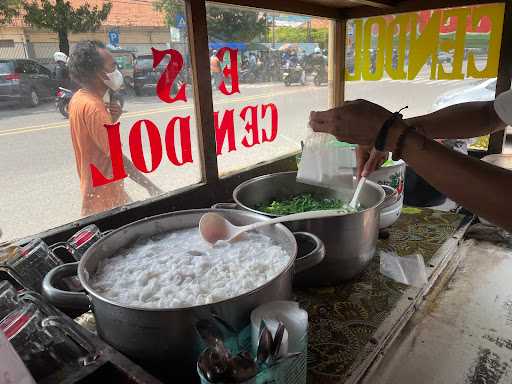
(503, 106)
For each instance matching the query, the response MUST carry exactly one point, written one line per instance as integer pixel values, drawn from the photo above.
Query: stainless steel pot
(350, 240)
(167, 336)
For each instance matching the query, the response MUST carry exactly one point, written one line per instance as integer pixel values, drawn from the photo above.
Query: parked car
(26, 81)
(145, 77)
(125, 60)
(481, 91)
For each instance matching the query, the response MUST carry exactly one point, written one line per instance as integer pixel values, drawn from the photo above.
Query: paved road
(39, 186)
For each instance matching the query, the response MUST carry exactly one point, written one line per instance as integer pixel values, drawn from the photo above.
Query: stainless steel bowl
(166, 336)
(350, 240)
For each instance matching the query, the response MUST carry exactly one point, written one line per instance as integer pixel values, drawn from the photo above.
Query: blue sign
(113, 37)
(181, 23)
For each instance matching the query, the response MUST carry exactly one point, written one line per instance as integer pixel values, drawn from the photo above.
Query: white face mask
(115, 80)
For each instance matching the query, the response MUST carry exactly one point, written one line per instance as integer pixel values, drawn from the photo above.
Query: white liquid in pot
(179, 269)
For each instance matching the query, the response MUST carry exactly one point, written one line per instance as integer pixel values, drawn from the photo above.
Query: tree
(170, 8)
(300, 35)
(224, 23)
(8, 10)
(62, 18)
(234, 24)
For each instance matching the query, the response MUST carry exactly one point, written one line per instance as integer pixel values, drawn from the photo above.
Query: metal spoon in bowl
(214, 227)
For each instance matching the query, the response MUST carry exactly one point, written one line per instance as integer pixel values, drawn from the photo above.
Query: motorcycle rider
(294, 65)
(319, 63)
(61, 69)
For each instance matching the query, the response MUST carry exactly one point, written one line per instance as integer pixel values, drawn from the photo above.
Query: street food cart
(363, 327)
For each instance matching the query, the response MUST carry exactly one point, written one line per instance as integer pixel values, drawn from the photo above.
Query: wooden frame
(410, 6)
(337, 40)
(203, 101)
(213, 189)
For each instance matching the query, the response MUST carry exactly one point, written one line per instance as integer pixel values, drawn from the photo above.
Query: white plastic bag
(325, 161)
(408, 270)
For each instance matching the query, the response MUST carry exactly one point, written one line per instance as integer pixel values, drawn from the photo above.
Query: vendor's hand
(115, 111)
(356, 122)
(368, 160)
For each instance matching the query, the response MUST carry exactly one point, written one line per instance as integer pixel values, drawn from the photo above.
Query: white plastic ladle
(359, 188)
(214, 227)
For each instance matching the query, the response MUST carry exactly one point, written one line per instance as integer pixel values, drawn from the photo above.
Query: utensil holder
(290, 371)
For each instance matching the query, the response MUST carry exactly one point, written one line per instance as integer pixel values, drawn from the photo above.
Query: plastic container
(82, 241)
(31, 263)
(392, 174)
(44, 350)
(8, 298)
(290, 371)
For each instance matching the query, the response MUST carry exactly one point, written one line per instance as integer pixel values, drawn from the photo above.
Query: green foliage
(8, 10)
(300, 35)
(224, 23)
(61, 17)
(170, 8)
(234, 24)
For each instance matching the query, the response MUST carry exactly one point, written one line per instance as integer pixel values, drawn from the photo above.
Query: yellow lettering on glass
(424, 46)
(456, 44)
(495, 12)
(401, 22)
(378, 52)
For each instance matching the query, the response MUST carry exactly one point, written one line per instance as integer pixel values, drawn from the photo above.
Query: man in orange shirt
(94, 68)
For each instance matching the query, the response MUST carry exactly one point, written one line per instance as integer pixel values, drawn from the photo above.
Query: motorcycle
(319, 75)
(294, 74)
(63, 97)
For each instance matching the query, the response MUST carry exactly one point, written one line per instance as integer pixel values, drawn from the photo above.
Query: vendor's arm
(459, 121)
(480, 187)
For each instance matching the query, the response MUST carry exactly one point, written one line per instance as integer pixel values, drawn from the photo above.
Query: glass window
(269, 70)
(30, 68)
(44, 71)
(427, 60)
(5, 67)
(47, 180)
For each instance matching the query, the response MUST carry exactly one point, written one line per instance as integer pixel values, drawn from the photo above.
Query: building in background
(139, 28)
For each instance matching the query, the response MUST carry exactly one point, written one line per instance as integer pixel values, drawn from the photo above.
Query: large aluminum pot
(167, 337)
(350, 240)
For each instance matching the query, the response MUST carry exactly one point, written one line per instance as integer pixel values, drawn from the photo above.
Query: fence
(43, 52)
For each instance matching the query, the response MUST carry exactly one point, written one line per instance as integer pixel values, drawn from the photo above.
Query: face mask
(115, 80)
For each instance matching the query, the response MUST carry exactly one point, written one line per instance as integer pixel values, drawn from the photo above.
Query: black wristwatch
(380, 141)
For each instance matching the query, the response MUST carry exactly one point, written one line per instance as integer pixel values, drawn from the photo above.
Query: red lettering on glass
(186, 144)
(136, 149)
(274, 122)
(227, 127)
(224, 129)
(168, 77)
(229, 71)
(252, 126)
(116, 157)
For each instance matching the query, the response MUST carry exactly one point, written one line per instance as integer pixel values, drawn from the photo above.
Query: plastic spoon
(214, 227)
(355, 198)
